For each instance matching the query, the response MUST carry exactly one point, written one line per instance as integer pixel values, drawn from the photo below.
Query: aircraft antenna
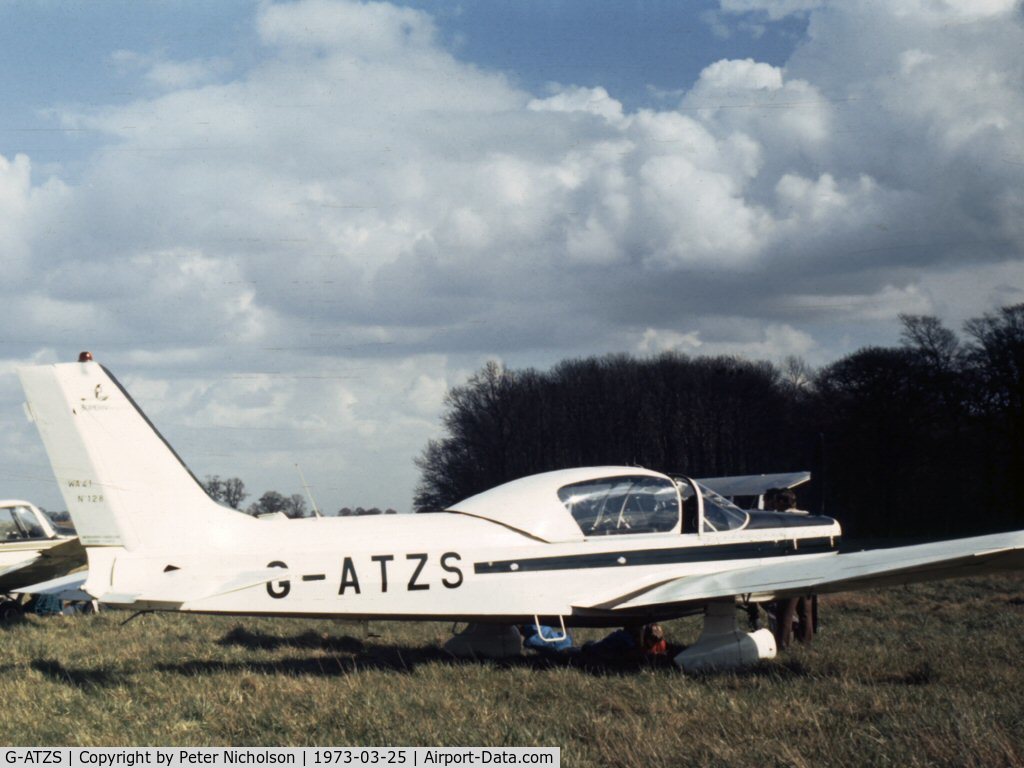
(309, 493)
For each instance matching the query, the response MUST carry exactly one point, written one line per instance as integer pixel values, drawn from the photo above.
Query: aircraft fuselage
(441, 566)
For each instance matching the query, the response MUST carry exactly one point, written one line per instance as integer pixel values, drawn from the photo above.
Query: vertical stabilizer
(122, 483)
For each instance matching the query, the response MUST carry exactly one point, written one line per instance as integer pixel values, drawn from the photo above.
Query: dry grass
(924, 676)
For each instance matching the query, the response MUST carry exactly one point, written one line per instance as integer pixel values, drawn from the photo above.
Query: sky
(290, 227)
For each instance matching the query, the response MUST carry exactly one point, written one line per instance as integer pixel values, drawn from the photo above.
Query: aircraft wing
(57, 560)
(837, 573)
(9, 576)
(753, 485)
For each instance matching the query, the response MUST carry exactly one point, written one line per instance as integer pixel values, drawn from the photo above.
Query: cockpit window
(8, 528)
(614, 505)
(29, 524)
(720, 514)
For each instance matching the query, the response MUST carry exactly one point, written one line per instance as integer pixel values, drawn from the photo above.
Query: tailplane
(123, 484)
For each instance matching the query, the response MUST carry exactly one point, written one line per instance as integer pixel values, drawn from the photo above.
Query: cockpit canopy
(20, 520)
(573, 504)
(626, 504)
(533, 504)
(720, 514)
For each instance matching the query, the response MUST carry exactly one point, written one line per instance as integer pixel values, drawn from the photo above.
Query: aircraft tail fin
(123, 484)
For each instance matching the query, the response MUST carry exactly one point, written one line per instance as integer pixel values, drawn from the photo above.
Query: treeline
(922, 439)
(231, 492)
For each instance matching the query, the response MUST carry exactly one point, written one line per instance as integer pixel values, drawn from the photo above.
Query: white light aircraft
(31, 549)
(597, 546)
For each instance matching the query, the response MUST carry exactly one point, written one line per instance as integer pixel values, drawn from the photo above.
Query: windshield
(29, 524)
(8, 528)
(720, 514)
(614, 505)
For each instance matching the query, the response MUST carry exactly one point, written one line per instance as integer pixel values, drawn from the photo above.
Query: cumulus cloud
(360, 193)
(369, 29)
(167, 74)
(596, 101)
(25, 206)
(432, 165)
(774, 9)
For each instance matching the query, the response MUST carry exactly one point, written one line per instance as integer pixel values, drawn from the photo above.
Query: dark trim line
(761, 519)
(314, 577)
(699, 554)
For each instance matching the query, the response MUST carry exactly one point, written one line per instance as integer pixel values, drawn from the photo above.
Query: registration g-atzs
(34, 756)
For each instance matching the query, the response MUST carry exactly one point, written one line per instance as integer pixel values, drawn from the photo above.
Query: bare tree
(230, 491)
(233, 492)
(295, 506)
(930, 337)
(214, 487)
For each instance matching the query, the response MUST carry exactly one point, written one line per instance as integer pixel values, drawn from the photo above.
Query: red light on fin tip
(85, 357)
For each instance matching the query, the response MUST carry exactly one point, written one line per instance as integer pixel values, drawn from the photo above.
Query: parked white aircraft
(31, 549)
(597, 546)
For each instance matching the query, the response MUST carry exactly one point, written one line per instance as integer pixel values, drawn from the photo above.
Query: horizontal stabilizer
(837, 573)
(753, 485)
(18, 566)
(176, 588)
(63, 588)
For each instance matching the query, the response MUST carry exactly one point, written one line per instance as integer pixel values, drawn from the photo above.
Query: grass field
(929, 675)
